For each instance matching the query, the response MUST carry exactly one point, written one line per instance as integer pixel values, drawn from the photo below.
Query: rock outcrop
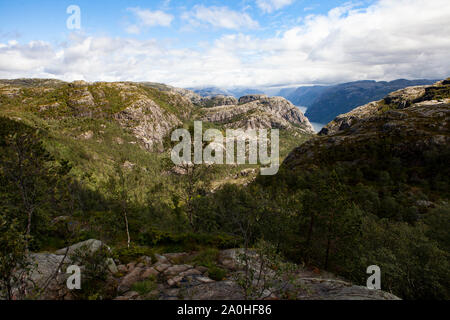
(149, 112)
(259, 112)
(411, 98)
(174, 276)
(413, 119)
(190, 282)
(219, 100)
(47, 277)
(325, 103)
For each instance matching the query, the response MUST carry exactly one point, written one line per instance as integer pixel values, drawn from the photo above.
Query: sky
(234, 43)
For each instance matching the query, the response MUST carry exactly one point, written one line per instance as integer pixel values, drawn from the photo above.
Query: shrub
(207, 258)
(126, 255)
(217, 273)
(94, 284)
(145, 287)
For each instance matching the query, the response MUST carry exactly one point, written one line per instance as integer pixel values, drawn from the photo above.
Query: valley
(83, 161)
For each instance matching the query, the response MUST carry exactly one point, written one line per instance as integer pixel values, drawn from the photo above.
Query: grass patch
(146, 286)
(207, 257)
(126, 255)
(216, 273)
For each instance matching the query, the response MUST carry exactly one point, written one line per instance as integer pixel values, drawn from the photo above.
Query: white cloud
(148, 18)
(133, 29)
(272, 5)
(220, 17)
(386, 41)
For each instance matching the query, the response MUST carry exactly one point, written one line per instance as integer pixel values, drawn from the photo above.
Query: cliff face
(259, 112)
(424, 101)
(149, 113)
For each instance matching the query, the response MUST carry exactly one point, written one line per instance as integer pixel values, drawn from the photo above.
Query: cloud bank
(388, 40)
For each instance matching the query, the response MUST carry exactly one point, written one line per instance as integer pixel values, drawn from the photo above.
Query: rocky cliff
(148, 110)
(259, 112)
(426, 102)
(341, 98)
(148, 113)
(415, 118)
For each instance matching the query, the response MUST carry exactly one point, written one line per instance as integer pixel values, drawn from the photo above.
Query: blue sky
(46, 19)
(226, 43)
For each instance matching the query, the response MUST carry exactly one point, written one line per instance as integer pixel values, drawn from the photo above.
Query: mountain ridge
(324, 103)
(374, 191)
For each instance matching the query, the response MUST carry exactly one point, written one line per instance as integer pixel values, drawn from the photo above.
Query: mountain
(240, 92)
(148, 113)
(415, 116)
(326, 102)
(375, 189)
(303, 96)
(426, 101)
(344, 97)
(96, 125)
(82, 161)
(234, 92)
(259, 112)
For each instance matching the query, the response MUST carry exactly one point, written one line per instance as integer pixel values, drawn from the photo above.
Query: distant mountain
(303, 96)
(211, 91)
(240, 92)
(344, 97)
(235, 92)
(324, 103)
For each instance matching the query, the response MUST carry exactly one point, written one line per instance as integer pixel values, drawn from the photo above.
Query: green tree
(30, 179)
(14, 265)
(120, 185)
(194, 181)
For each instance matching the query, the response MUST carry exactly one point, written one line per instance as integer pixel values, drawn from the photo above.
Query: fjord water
(316, 125)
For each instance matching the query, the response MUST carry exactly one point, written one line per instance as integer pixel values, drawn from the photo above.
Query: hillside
(100, 129)
(91, 161)
(374, 188)
(96, 154)
(259, 112)
(427, 103)
(324, 103)
(94, 126)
